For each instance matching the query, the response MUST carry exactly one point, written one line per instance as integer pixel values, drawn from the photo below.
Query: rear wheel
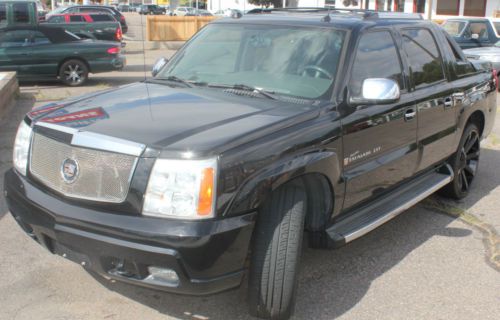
(464, 163)
(275, 254)
(74, 73)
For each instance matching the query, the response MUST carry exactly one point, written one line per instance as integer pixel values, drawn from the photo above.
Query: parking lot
(438, 260)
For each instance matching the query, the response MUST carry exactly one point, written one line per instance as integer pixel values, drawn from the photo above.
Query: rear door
(15, 51)
(380, 141)
(433, 94)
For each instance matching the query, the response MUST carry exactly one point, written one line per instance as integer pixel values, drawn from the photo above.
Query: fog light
(166, 276)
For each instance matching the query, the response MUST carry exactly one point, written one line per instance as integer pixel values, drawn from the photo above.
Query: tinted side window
(21, 13)
(17, 38)
(423, 55)
(461, 65)
(376, 57)
(101, 17)
(76, 19)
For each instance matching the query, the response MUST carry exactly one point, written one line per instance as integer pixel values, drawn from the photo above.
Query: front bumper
(208, 256)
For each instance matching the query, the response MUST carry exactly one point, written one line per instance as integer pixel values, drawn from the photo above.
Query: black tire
(464, 163)
(276, 252)
(73, 73)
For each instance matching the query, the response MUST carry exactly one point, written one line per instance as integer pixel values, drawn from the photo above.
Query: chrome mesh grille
(102, 176)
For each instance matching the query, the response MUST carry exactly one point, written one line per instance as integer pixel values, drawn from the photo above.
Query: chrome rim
(469, 159)
(74, 73)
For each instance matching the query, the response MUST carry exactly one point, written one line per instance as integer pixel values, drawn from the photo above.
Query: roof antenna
(327, 18)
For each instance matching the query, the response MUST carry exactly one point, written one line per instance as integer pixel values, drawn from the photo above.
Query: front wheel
(275, 254)
(74, 73)
(464, 162)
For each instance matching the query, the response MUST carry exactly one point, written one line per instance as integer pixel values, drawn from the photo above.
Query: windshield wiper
(245, 87)
(175, 79)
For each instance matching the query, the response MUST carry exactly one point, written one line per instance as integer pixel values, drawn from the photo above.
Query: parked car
(41, 52)
(124, 8)
(17, 13)
(88, 9)
(99, 26)
(320, 122)
(182, 11)
(199, 12)
(473, 32)
(151, 9)
(228, 13)
(490, 54)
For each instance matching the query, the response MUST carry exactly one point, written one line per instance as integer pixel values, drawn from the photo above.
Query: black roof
(340, 18)
(55, 34)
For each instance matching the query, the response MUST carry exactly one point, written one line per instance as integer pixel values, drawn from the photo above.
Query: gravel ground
(438, 260)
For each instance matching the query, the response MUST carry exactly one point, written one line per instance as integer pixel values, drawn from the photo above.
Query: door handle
(448, 102)
(410, 114)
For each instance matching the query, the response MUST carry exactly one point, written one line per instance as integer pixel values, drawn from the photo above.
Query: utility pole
(429, 10)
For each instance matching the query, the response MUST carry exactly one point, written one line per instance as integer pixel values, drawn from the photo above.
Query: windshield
(295, 61)
(454, 28)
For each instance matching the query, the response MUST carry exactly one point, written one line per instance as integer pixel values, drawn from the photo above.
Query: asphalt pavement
(438, 260)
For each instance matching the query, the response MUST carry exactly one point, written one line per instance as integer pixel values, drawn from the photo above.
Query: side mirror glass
(474, 36)
(159, 64)
(377, 91)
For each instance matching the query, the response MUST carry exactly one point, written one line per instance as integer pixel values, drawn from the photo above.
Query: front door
(46, 55)
(380, 141)
(15, 50)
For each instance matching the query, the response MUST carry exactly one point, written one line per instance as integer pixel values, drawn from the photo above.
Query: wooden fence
(167, 28)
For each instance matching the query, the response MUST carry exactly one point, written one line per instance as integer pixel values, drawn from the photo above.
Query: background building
(432, 9)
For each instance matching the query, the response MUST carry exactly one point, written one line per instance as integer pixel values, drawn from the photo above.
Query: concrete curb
(139, 46)
(9, 89)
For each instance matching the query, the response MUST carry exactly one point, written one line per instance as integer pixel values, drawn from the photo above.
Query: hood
(180, 119)
(486, 51)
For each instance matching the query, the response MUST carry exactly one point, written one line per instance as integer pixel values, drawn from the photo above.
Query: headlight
(183, 189)
(21, 148)
(490, 58)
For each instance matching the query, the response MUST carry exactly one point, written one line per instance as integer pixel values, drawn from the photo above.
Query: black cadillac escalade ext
(261, 129)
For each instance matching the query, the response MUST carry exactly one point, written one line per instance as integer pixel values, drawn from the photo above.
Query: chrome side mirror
(159, 64)
(377, 91)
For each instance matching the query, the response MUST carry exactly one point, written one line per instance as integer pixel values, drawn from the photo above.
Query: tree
(267, 3)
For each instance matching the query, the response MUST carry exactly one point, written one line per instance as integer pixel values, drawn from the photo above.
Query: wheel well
(319, 195)
(477, 117)
(72, 58)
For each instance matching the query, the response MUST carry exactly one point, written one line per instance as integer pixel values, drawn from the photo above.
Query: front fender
(258, 187)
